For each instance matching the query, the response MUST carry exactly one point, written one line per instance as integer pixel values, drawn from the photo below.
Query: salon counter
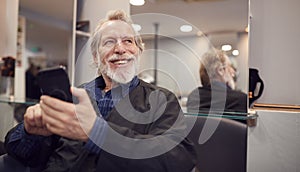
(273, 144)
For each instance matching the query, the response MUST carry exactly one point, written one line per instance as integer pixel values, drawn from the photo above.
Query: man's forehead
(117, 26)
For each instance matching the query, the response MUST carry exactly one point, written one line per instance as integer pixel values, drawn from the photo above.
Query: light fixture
(226, 47)
(186, 28)
(247, 29)
(137, 27)
(235, 52)
(199, 33)
(137, 2)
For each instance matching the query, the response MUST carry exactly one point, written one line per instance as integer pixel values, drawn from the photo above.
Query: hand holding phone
(55, 82)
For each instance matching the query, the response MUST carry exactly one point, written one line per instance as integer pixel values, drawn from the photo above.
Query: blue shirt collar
(100, 83)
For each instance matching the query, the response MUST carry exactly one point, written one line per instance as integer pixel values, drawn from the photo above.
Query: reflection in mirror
(46, 27)
(172, 59)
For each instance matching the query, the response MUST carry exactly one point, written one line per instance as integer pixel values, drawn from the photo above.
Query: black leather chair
(8, 164)
(2, 149)
(225, 150)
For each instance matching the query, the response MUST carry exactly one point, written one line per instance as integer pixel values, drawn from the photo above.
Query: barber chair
(225, 148)
(9, 164)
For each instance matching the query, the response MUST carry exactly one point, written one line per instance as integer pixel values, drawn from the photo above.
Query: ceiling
(220, 20)
(209, 16)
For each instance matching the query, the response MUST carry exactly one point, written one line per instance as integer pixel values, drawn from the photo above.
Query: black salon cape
(61, 154)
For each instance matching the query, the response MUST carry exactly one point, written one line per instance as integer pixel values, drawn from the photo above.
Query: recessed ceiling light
(136, 27)
(235, 52)
(137, 2)
(226, 47)
(186, 28)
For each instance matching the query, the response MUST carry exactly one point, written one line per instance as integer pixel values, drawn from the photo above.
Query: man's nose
(232, 72)
(120, 48)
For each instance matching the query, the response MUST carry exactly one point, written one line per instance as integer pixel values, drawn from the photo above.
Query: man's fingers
(29, 119)
(30, 115)
(37, 116)
(56, 104)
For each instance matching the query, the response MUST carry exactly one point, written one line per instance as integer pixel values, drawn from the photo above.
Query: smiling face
(118, 52)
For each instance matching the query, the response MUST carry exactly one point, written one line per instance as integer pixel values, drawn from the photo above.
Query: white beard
(121, 75)
(229, 81)
(231, 84)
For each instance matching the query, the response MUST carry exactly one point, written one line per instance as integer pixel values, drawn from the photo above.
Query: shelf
(250, 118)
(12, 100)
(276, 107)
(230, 115)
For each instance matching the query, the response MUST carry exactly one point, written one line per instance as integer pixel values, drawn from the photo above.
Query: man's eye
(129, 41)
(108, 42)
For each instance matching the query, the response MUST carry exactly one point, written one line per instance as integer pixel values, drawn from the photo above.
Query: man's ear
(95, 60)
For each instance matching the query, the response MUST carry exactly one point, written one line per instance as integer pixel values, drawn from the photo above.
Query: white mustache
(121, 57)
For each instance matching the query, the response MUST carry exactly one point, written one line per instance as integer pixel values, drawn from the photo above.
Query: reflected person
(217, 93)
(61, 136)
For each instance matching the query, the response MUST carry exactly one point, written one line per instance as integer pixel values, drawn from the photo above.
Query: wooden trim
(278, 107)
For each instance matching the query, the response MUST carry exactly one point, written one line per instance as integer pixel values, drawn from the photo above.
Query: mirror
(46, 28)
(176, 55)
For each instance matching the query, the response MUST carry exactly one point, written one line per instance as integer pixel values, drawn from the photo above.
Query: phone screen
(55, 83)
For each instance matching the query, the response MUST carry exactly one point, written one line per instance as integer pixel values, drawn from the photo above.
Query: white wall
(178, 62)
(6, 119)
(94, 10)
(180, 59)
(11, 26)
(273, 145)
(8, 40)
(242, 61)
(2, 27)
(274, 48)
(8, 45)
(8, 27)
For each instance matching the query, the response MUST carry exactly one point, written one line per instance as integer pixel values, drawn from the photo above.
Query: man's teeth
(120, 62)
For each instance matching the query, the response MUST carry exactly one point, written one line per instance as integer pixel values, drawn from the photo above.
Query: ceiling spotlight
(137, 2)
(186, 28)
(235, 52)
(226, 47)
(136, 27)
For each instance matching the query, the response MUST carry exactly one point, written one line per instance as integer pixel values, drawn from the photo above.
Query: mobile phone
(55, 82)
